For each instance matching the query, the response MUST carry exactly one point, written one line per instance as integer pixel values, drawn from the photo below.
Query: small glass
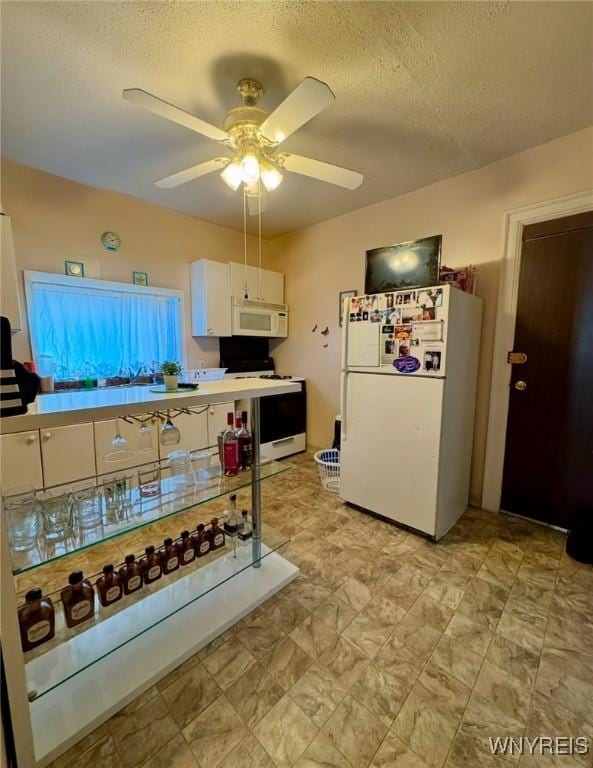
(56, 512)
(200, 466)
(22, 516)
(87, 508)
(117, 492)
(149, 480)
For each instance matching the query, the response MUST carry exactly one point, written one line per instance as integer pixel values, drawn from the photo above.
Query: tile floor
(389, 651)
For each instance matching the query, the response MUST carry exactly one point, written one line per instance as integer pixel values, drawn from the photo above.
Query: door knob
(520, 385)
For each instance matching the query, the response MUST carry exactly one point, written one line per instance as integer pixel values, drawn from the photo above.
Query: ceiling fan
(253, 136)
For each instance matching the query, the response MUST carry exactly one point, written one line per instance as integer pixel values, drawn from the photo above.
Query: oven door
(251, 321)
(283, 416)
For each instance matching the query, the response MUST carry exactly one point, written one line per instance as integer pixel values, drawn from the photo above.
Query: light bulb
(249, 168)
(232, 175)
(270, 176)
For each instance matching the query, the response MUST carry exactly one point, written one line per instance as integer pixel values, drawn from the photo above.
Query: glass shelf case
(177, 494)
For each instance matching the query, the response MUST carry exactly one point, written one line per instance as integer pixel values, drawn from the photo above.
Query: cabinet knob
(47, 435)
(31, 439)
(209, 331)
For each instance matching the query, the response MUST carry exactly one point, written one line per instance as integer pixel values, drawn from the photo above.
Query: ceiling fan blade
(316, 169)
(191, 173)
(159, 107)
(307, 100)
(253, 205)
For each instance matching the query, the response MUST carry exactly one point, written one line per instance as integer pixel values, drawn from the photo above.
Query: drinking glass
(117, 492)
(170, 435)
(120, 449)
(87, 508)
(56, 512)
(145, 439)
(200, 465)
(22, 517)
(179, 464)
(149, 480)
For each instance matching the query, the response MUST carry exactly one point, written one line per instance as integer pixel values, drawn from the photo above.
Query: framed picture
(344, 295)
(140, 278)
(74, 268)
(414, 264)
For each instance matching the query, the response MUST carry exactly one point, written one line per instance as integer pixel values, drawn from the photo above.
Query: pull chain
(245, 289)
(259, 236)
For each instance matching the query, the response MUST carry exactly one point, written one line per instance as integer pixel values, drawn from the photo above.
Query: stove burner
(273, 376)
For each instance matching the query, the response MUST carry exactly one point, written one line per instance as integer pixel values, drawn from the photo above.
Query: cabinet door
(21, 460)
(104, 434)
(217, 423)
(211, 298)
(194, 433)
(68, 453)
(272, 287)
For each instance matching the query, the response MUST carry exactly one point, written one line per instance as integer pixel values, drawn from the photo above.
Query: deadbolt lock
(516, 358)
(520, 385)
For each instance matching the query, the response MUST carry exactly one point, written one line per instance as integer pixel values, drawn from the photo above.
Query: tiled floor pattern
(389, 651)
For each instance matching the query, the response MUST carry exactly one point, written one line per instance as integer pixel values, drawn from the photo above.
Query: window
(100, 328)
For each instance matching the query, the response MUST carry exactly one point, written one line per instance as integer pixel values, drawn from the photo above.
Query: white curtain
(103, 331)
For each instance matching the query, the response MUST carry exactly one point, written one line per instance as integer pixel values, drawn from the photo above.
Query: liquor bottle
(131, 575)
(230, 449)
(109, 586)
(169, 557)
(246, 531)
(215, 534)
(36, 619)
(78, 599)
(201, 541)
(231, 523)
(150, 566)
(245, 442)
(185, 549)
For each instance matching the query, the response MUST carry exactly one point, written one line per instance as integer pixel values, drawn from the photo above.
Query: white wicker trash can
(328, 464)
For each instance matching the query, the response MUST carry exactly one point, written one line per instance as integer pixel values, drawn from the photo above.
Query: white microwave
(258, 318)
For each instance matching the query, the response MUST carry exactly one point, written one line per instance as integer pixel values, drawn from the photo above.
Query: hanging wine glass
(170, 435)
(120, 449)
(145, 438)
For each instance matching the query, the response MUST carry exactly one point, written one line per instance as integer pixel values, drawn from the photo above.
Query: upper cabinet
(247, 280)
(9, 298)
(210, 298)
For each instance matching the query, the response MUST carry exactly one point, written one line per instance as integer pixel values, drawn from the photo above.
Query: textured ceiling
(423, 91)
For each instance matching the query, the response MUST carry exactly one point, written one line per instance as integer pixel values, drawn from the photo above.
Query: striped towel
(11, 401)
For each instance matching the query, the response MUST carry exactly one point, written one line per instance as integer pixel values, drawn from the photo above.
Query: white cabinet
(21, 460)
(270, 289)
(210, 298)
(104, 434)
(194, 433)
(9, 297)
(217, 421)
(68, 453)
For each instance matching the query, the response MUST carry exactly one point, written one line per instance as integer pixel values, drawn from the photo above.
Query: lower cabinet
(20, 460)
(68, 454)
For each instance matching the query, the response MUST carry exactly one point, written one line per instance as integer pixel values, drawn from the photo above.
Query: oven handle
(283, 440)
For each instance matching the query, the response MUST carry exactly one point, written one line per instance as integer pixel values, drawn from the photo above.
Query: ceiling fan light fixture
(232, 175)
(249, 168)
(270, 176)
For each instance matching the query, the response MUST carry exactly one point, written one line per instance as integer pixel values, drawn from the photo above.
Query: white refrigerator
(408, 391)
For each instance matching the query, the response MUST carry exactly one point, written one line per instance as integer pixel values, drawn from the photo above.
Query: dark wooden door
(548, 467)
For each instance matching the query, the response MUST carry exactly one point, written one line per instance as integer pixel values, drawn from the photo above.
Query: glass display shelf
(177, 494)
(74, 650)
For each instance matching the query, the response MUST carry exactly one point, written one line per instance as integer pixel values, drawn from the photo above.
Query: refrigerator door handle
(344, 405)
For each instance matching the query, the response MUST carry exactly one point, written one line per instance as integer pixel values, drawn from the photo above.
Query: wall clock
(110, 241)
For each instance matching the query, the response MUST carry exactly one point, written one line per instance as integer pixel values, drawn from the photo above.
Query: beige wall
(468, 210)
(54, 219)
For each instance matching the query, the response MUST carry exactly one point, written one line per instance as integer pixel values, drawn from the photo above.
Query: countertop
(63, 408)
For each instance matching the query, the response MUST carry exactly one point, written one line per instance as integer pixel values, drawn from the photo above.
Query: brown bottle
(185, 549)
(78, 599)
(109, 586)
(36, 619)
(169, 557)
(216, 535)
(201, 541)
(131, 575)
(150, 566)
